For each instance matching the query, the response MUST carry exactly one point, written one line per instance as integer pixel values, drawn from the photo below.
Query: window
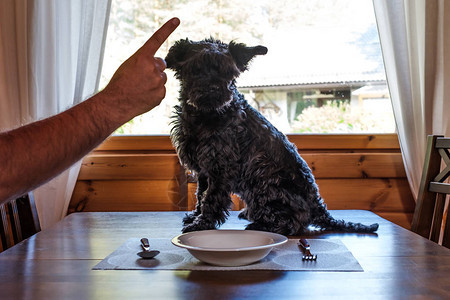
(323, 73)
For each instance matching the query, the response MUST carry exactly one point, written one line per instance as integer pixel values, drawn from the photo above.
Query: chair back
(431, 216)
(19, 221)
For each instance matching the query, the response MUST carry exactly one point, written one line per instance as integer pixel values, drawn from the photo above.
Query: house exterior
(324, 65)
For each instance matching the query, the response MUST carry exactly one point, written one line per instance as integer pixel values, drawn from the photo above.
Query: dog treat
(232, 148)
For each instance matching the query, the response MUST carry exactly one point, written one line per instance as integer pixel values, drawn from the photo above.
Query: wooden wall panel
(302, 141)
(129, 166)
(137, 143)
(401, 219)
(355, 165)
(381, 195)
(345, 141)
(378, 195)
(142, 173)
(127, 195)
(164, 166)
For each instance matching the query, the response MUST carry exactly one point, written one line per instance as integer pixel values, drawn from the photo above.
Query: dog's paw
(243, 215)
(198, 226)
(257, 226)
(189, 219)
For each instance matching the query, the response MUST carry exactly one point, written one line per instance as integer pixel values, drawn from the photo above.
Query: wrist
(112, 108)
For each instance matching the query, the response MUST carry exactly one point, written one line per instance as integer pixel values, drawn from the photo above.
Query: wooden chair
(19, 221)
(430, 220)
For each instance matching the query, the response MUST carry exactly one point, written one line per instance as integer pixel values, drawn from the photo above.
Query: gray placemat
(332, 255)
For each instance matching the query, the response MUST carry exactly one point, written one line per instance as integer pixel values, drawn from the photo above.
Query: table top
(57, 263)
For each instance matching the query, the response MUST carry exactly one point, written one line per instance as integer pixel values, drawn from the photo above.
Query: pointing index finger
(158, 38)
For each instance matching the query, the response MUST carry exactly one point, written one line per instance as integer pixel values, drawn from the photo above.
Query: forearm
(34, 154)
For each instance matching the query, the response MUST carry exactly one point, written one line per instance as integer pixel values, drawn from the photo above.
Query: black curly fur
(233, 149)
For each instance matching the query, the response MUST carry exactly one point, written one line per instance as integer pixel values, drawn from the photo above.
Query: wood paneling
(164, 166)
(137, 142)
(378, 195)
(129, 166)
(142, 173)
(302, 141)
(401, 219)
(127, 195)
(355, 165)
(345, 141)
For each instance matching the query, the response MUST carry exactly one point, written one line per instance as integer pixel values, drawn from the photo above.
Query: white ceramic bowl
(229, 247)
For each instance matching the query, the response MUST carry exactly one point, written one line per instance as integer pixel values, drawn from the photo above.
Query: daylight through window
(323, 73)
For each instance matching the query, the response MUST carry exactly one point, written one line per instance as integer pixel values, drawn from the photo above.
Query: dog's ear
(177, 54)
(242, 54)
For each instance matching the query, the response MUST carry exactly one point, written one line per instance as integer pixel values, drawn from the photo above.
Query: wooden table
(57, 264)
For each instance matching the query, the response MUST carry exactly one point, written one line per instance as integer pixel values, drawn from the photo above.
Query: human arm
(35, 153)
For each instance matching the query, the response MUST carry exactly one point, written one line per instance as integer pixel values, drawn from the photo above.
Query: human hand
(138, 84)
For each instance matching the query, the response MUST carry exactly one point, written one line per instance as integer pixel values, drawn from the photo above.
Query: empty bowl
(229, 247)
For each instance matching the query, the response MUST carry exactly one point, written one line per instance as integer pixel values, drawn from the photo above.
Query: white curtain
(415, 40)
(50, 59)
(14, 108)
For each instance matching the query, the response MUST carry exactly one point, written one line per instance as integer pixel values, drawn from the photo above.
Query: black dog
(233, 149)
